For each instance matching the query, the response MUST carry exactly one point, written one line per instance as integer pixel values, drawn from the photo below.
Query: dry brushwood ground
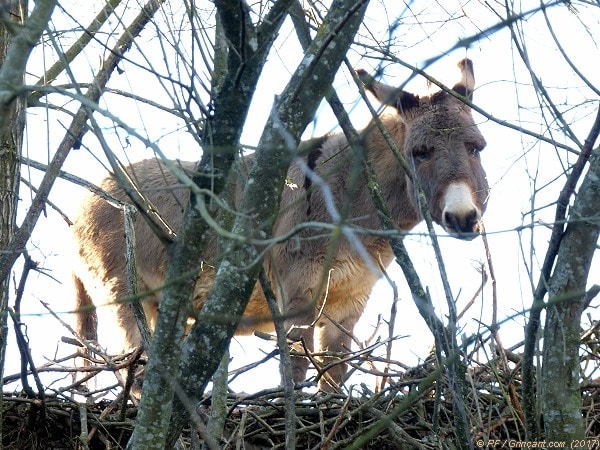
(415, 406)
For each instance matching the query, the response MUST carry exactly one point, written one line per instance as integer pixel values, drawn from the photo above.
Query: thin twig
(391, 323)
(26, 358)
(83, 436)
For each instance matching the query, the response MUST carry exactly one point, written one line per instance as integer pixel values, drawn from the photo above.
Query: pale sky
(519, 168)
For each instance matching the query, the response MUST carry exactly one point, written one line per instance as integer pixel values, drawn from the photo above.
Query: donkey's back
(100, 275)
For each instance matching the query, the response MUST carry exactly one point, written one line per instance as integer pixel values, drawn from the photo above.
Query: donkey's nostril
(465, 224)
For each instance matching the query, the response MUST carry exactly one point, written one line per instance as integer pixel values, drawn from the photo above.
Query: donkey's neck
(396, 188)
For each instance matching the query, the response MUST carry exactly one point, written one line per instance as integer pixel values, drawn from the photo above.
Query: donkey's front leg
(300, 316)
(334, 335)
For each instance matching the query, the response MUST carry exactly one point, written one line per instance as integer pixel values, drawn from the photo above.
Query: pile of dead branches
(413, 410)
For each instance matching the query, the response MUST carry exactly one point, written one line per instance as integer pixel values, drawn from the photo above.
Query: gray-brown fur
(438, 138)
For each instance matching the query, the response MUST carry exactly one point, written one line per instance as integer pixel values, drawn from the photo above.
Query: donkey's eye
(474, 150)
(423, 154)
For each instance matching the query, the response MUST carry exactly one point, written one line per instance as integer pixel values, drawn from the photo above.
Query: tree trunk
(233, 88)
(238, 273)
(17, 39)
(561, 369)
(11, 140)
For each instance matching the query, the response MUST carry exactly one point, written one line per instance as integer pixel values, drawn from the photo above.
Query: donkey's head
(442, 145)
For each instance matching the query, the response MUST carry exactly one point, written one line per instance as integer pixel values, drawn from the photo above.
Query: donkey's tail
(86, 324)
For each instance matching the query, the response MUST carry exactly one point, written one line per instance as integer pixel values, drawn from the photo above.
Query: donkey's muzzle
(460, 214)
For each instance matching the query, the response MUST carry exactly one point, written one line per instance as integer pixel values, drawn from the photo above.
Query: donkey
(437, 137)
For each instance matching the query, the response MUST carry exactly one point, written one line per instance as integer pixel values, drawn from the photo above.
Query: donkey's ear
(466, 85)
(388, 95)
